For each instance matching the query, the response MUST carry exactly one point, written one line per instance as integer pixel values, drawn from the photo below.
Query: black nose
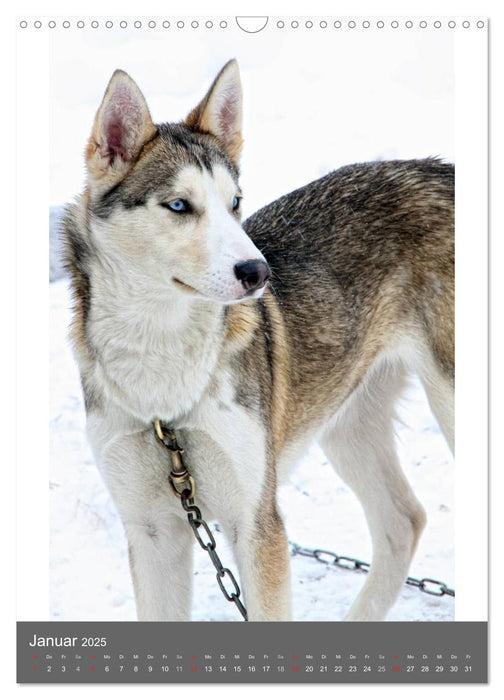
(253, 274)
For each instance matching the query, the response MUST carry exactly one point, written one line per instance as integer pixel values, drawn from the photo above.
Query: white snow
(89, 563)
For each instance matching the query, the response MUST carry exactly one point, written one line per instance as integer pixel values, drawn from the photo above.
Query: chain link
(431, 586)
(427, 585)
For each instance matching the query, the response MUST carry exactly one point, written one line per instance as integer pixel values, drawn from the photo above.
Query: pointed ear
(220, 111)
(122, 127)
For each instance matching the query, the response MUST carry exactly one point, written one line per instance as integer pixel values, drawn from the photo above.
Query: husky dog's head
(164, 200)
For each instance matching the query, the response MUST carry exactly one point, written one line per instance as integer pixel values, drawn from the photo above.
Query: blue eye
(236, 203)
(178, 205)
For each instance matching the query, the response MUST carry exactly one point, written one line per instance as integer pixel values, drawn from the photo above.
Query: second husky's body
(175, 319)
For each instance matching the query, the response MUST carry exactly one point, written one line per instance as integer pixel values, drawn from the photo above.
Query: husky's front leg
(236, 486)
(263, 559)
(160, 543)
(260, 547)
(161, 555)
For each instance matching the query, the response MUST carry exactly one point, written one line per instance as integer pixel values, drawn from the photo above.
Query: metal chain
(184, 487)
(426, 585)
(196, 521)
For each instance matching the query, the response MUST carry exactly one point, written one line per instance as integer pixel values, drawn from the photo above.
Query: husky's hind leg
(361, 447)
(440, 393)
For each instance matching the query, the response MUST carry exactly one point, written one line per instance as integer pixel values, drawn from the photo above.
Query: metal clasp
(182, 483)
(181, 480)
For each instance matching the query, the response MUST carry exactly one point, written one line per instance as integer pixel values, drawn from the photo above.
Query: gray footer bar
(261, 652)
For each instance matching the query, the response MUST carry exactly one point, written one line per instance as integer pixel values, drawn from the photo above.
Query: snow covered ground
(89, 576)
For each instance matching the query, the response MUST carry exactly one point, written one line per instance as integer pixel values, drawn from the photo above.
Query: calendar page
(266, 245)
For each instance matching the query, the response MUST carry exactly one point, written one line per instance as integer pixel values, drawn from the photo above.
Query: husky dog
(251, 341)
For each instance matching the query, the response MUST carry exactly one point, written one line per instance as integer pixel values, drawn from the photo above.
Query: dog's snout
(253, 274)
